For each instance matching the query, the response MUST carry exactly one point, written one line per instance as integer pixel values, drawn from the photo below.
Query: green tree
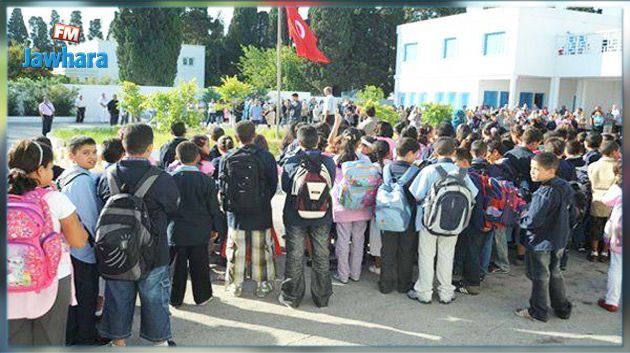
(240, 33)
(16, 30)
(55, 19)
(75, 20)
(172, 106)
(427, 13)
(258, 68)
(39, 34)
(272, 30)
(371, 97)
(112, 27)
(195, 25)
(132, 100)
(435, 113)
(215, 53)
(95, 29)
(262, 29)
(15, 68)
(233, 91)
(149, 43)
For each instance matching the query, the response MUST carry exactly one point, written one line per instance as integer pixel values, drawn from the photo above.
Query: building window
(410, 52)
(451, 98)
(185, 61)
(190, 61)
(463, 99)
(494, 43)
(422, 97)
(401, 99)
(449, 48)
(439, 97)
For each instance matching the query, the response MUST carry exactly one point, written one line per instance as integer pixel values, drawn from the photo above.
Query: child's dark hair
(445, 146)
(371, 112)
(532, 135)
(608, 148)
(225, 143)
(406, 145)
(608, 137)
(495, 145)
(45, 140)
(593, 140)
(24, 158)
(463, 131)
(411, 132)
(384, 129)
(216, 133)
(137, 138)
(261, 142)
(573, 148)
(113, 150)
(323, 131)
(178, 129)
(187, 152)
(380, 149)
(462, 154)
(479, 149)
(445, 129)
(307, 136)
(399, 127)
(79, 141)
(349, 140)
(517, 130)
(200, 141)
(547, 160)
(245, 131)
(555, 145)
(425, 129)
(581, 137)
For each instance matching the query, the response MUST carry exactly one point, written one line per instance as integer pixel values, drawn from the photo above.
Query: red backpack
(501, 202)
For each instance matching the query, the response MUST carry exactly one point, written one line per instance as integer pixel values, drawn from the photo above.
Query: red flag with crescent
(304, 39)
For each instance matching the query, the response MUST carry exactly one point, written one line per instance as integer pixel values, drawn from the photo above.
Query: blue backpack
(393, 211)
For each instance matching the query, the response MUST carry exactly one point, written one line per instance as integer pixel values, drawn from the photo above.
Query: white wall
(603, 93)
(568, 89)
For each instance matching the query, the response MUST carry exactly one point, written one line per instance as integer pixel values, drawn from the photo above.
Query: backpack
(125, 248)
(168, 152)
(393, 211)
(311, 187)
(582, 201)
(33, 246)
(67, 179)
(448, 206)
(501, 202)
(243, 182)
(359, 184)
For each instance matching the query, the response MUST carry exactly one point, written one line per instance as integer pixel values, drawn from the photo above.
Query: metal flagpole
(279, 73)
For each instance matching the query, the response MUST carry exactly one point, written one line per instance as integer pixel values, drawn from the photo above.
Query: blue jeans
(547, 285)
(486, 253)
(120, 302)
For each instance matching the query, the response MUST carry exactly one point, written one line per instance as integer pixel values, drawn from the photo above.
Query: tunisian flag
(304, 39)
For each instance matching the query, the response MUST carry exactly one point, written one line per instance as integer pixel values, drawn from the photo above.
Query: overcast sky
(106, 14)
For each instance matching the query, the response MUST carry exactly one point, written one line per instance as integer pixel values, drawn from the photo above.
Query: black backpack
(168, 152)
(125, 248)
(243, 182)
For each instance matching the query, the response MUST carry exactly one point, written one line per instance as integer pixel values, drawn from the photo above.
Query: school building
(190, 63)
(535, 56)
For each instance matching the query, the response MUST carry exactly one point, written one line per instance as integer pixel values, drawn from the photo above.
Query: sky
(106, 14)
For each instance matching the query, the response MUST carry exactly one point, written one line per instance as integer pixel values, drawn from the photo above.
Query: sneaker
(336, 278)
(374, 269)
(263, 289)
(470, 290)
(603, 257)
(524, 313)
(592, 256)
(413, 295)
(171, 343)
(289, 304)
(446, 302)
(206, 302)
(612, 308)
(498, 270)
(581, 248)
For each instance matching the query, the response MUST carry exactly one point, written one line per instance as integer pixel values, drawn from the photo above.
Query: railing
(589, 43)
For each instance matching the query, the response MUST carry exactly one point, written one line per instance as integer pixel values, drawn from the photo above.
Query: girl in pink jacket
(613, 236)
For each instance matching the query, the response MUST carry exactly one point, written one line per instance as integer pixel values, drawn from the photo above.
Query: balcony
(591, 43)
(589, 54)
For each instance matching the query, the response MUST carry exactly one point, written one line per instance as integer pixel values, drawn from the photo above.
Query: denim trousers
(397, 256)
(81, 328)
(486, 253)
(294, 283)
(502, 259)
(543, 269)
(473, 243)
(120, 303)
(614, 279)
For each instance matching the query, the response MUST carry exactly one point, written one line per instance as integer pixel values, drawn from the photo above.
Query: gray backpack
(448, 206)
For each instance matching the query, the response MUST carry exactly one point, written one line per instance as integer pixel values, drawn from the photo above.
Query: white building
(543, 56)
(190, 63)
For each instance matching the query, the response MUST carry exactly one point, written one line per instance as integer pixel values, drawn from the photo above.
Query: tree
(75, 20)
(112, 25)
(370, 97)
(233, 91)
(15, 68)
(215, 53)
(272, 31)
(261, 30)
(95, 29)
(55, 19)
(258, 68)
(132, 100)
(16, 30)
(586, 9)
(149, 43)
(240, 33)
(426, 13)
(39, 34)
(435, 113)
(172, 106)
(195, 25)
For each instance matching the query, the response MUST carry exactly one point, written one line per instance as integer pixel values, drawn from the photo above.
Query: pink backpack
(34, 248)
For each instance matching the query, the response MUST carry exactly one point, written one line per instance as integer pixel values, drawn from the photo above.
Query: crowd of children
(441, 198)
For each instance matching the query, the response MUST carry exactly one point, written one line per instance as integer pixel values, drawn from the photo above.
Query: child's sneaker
(374, 269)
(338, 279)
(593, 256)
(603, 257)
(263, 289)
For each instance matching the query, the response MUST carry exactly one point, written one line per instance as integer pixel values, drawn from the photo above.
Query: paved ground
(360, 315)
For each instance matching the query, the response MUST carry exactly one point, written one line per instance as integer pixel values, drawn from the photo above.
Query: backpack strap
(461, 174)
(387, 174)
(146, 181)
(443, 173)
(410, 173)
(66, 180)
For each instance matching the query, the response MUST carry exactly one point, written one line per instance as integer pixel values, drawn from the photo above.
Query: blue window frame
(410, 52)
(463, 99)
(422, 97)
(451, 98)
(412, 98)
(494, 43)
(449, 48)
(439, 97)
(526, 98)
(504, 98)
(490, 98)
(401, 99)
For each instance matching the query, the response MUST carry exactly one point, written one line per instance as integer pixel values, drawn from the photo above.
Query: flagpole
(278, 72)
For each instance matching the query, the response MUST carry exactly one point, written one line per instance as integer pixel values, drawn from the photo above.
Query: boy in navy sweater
(547, 224)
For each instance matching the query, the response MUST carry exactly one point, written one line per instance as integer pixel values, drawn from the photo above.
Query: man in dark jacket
(167, 152)
(295, 109)
(114, 111)
(298, 228)
(161, 200)
(190, 228)
(547, 223)
(248, 223)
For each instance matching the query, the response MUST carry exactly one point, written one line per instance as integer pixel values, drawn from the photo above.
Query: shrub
(172, 106)
(435, 113)
(132, 100)
(24, 96)
(371, 96)
(233, 91)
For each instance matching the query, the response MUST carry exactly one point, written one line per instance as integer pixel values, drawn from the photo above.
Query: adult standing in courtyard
(330, 106)
(102, 101)
(114, 111)
(47, 112)
(79, 103)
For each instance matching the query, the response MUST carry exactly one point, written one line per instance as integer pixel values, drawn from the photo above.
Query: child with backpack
(135, 262)
(380, 157)
(547, 224)
(395, 215)
(78, 184)
(192, 226)
(249, 178)
(167, 152)
(354, 193)
(307, 180)
(204, 165)
(39, 283)
(602, 176)
(613, 237)
(447, 195)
